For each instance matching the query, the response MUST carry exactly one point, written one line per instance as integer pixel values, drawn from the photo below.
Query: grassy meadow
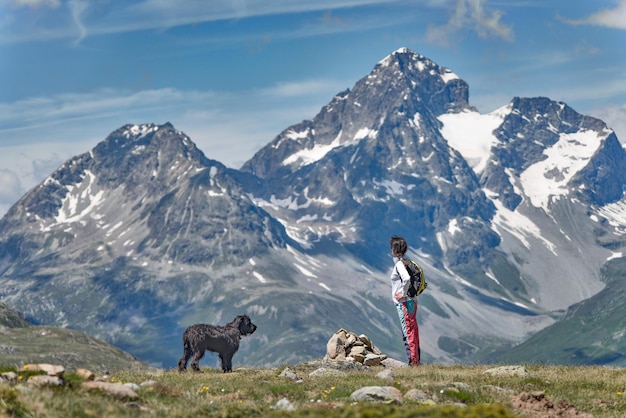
(453, 391)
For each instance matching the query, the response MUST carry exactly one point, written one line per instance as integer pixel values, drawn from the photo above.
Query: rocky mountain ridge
(22, 343)
(144, 235)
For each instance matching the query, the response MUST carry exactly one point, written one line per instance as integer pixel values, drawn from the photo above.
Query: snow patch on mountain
(471, 134)
(453, 227)
(615, 255)
(139, 131)
(259, 277)
(291, 202)
(548, 178)
(448, 76)
(311, 155)
(365, 133)
(393, 188)
(517, 225)
(615, 214)
(319, 151)
(324, 286)
(80, 201)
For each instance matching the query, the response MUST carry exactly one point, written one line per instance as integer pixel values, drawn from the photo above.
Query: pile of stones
(346, 345)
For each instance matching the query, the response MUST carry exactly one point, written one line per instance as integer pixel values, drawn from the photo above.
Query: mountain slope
(592, 331)
(126, 233)
(512, 215)
(24, 343)
(374, 160)
(506, 201)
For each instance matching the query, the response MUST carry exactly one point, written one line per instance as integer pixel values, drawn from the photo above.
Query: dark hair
(398, 246)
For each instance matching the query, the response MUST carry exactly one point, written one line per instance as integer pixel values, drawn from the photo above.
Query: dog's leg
(223, 362)
(196, 359)
(227, 362)
(182, 363)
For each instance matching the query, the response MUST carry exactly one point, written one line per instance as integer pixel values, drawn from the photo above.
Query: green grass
(253, 392)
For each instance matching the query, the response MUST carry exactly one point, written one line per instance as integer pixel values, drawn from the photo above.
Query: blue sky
(234, 74)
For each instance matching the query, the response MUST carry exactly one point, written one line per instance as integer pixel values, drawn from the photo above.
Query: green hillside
(581, 336)
(23, 343)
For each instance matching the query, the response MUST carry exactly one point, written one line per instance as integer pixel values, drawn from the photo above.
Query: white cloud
(611, 18)
(471, 15)
(10, 190)
(85, 18)
(301, 88)
(77, 8)
(25, 165)
(34, 3)
(9, 185)
(615, 118)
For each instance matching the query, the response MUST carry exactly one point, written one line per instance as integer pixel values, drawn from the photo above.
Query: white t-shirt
(399, 276)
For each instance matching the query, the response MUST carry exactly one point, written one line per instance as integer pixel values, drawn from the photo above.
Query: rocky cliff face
(512, 215)
(374, 162)
(145, 191)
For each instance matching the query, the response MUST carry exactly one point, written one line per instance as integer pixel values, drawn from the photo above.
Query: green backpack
(417, 284)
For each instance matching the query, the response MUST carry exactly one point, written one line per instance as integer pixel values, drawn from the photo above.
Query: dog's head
(245, 325)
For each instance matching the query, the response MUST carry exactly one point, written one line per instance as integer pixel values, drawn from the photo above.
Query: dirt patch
(536, 404)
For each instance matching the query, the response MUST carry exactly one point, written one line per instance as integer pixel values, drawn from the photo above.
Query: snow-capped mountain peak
(549, 178)
(415, 63)
(512, 214)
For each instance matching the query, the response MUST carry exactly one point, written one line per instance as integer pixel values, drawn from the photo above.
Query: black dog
(224, 340)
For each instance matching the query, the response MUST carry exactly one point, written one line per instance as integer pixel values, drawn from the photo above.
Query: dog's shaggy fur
(224, 340)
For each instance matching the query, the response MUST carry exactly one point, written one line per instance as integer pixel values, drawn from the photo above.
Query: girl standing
(406, 307)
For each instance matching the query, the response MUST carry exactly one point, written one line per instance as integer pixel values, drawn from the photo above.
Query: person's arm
(398, 275)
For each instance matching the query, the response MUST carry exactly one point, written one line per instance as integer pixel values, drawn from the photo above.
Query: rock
(372, 360)
(9, 377)
(461, 386)
(327, 372)
(377, 393)
(45, 380)
(85, 374)
(284, 405)
(347, 345)
(52, 370)
(386, 374)
(351, 339)
(335, 348)
(359, 350)
(393, 364)
(49, 369)
(132, 386)
(288, 374)
(117, 390)
(416, 395)
(148, 383)
(357, 357)
(366, 341)
(517, 371)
